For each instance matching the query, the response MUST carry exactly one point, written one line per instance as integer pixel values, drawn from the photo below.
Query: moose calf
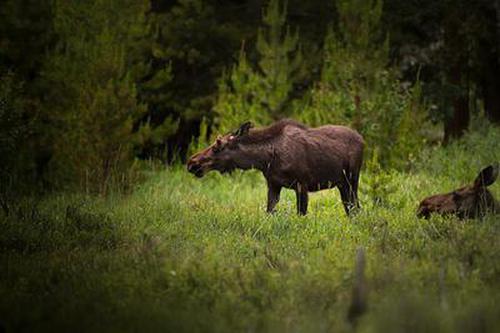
(467, 202)
(290, 155)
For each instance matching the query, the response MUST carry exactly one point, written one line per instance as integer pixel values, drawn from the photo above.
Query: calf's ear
(487, 176)
(244, 128)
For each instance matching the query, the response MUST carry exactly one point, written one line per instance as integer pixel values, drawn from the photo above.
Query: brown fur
(466, 202)
(290, 155)
(266, 134)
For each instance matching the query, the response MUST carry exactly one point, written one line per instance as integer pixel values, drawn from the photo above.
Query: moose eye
(217, 148)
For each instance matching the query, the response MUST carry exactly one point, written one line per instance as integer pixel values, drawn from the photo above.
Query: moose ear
(487, 176)
(244, 128)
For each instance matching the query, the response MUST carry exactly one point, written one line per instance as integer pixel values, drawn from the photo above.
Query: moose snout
(195, 167)
(423, 212)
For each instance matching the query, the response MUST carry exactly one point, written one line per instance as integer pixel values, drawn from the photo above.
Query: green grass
(182, 254)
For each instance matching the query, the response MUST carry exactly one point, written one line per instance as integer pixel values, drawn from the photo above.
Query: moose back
(290, 155)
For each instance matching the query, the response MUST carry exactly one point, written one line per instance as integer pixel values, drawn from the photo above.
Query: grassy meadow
(181, 254)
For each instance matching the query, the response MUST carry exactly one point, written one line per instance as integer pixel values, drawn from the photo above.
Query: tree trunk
(456, 125)
(491, 95)
(456, 59)
(491, 73)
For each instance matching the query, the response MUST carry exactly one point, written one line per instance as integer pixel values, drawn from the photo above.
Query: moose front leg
(302, 199)
(273, 196)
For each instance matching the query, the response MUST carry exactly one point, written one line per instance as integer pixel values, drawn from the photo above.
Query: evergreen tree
(261, 94)
(359, 89)
(92, 104)
(238, 96)
(280, 58)
(154, 91)
(196, 45)
(14, 130)
(25, 34)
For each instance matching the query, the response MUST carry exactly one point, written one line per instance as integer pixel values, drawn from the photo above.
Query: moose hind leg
(349, 198)
(302, 199)
(344, 195)
(348, 188)
(353, 181)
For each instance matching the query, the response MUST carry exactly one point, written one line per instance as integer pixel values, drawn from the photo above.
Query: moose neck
(255, 156)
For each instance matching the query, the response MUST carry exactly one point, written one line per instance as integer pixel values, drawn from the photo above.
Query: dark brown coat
(466, 202)
(290, 155)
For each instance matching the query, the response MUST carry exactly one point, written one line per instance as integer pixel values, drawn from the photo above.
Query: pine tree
(191, 39)
(280, 58)
(359, 89)
(14, 129)
(261, 94)
(92, 104)
(238, 97)
(155, 92)
(25, 33)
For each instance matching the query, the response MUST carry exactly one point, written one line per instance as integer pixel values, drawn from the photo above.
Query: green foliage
(280, 58)
(185, 254)
(25, 33)
(464, 158)
(203, 139)
(92, 104)
(12, 108)
(261, 94)
(238, 96)
(190, 37)
(357, 88)
(15, 128)
(154, 93)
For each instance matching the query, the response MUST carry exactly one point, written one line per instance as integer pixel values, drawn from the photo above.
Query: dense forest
(87, 88)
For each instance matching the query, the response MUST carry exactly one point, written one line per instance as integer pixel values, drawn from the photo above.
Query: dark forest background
(90, 88)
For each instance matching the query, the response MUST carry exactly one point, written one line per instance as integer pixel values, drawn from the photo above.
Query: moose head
(466, 202)
(224, 155)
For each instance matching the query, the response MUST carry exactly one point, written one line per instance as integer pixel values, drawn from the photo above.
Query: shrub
(359, 90)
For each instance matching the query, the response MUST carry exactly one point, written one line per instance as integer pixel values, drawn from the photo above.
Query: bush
(358, 89)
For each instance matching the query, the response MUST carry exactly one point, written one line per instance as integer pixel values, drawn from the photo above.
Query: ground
(182, 254)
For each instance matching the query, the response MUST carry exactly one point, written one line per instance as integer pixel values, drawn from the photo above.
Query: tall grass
(183, 254)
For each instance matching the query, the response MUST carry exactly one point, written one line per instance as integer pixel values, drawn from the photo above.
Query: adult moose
(466, 202)
(290, 155)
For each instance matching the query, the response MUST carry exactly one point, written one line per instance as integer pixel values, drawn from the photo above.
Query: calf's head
(467, 202)
(223, 155)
